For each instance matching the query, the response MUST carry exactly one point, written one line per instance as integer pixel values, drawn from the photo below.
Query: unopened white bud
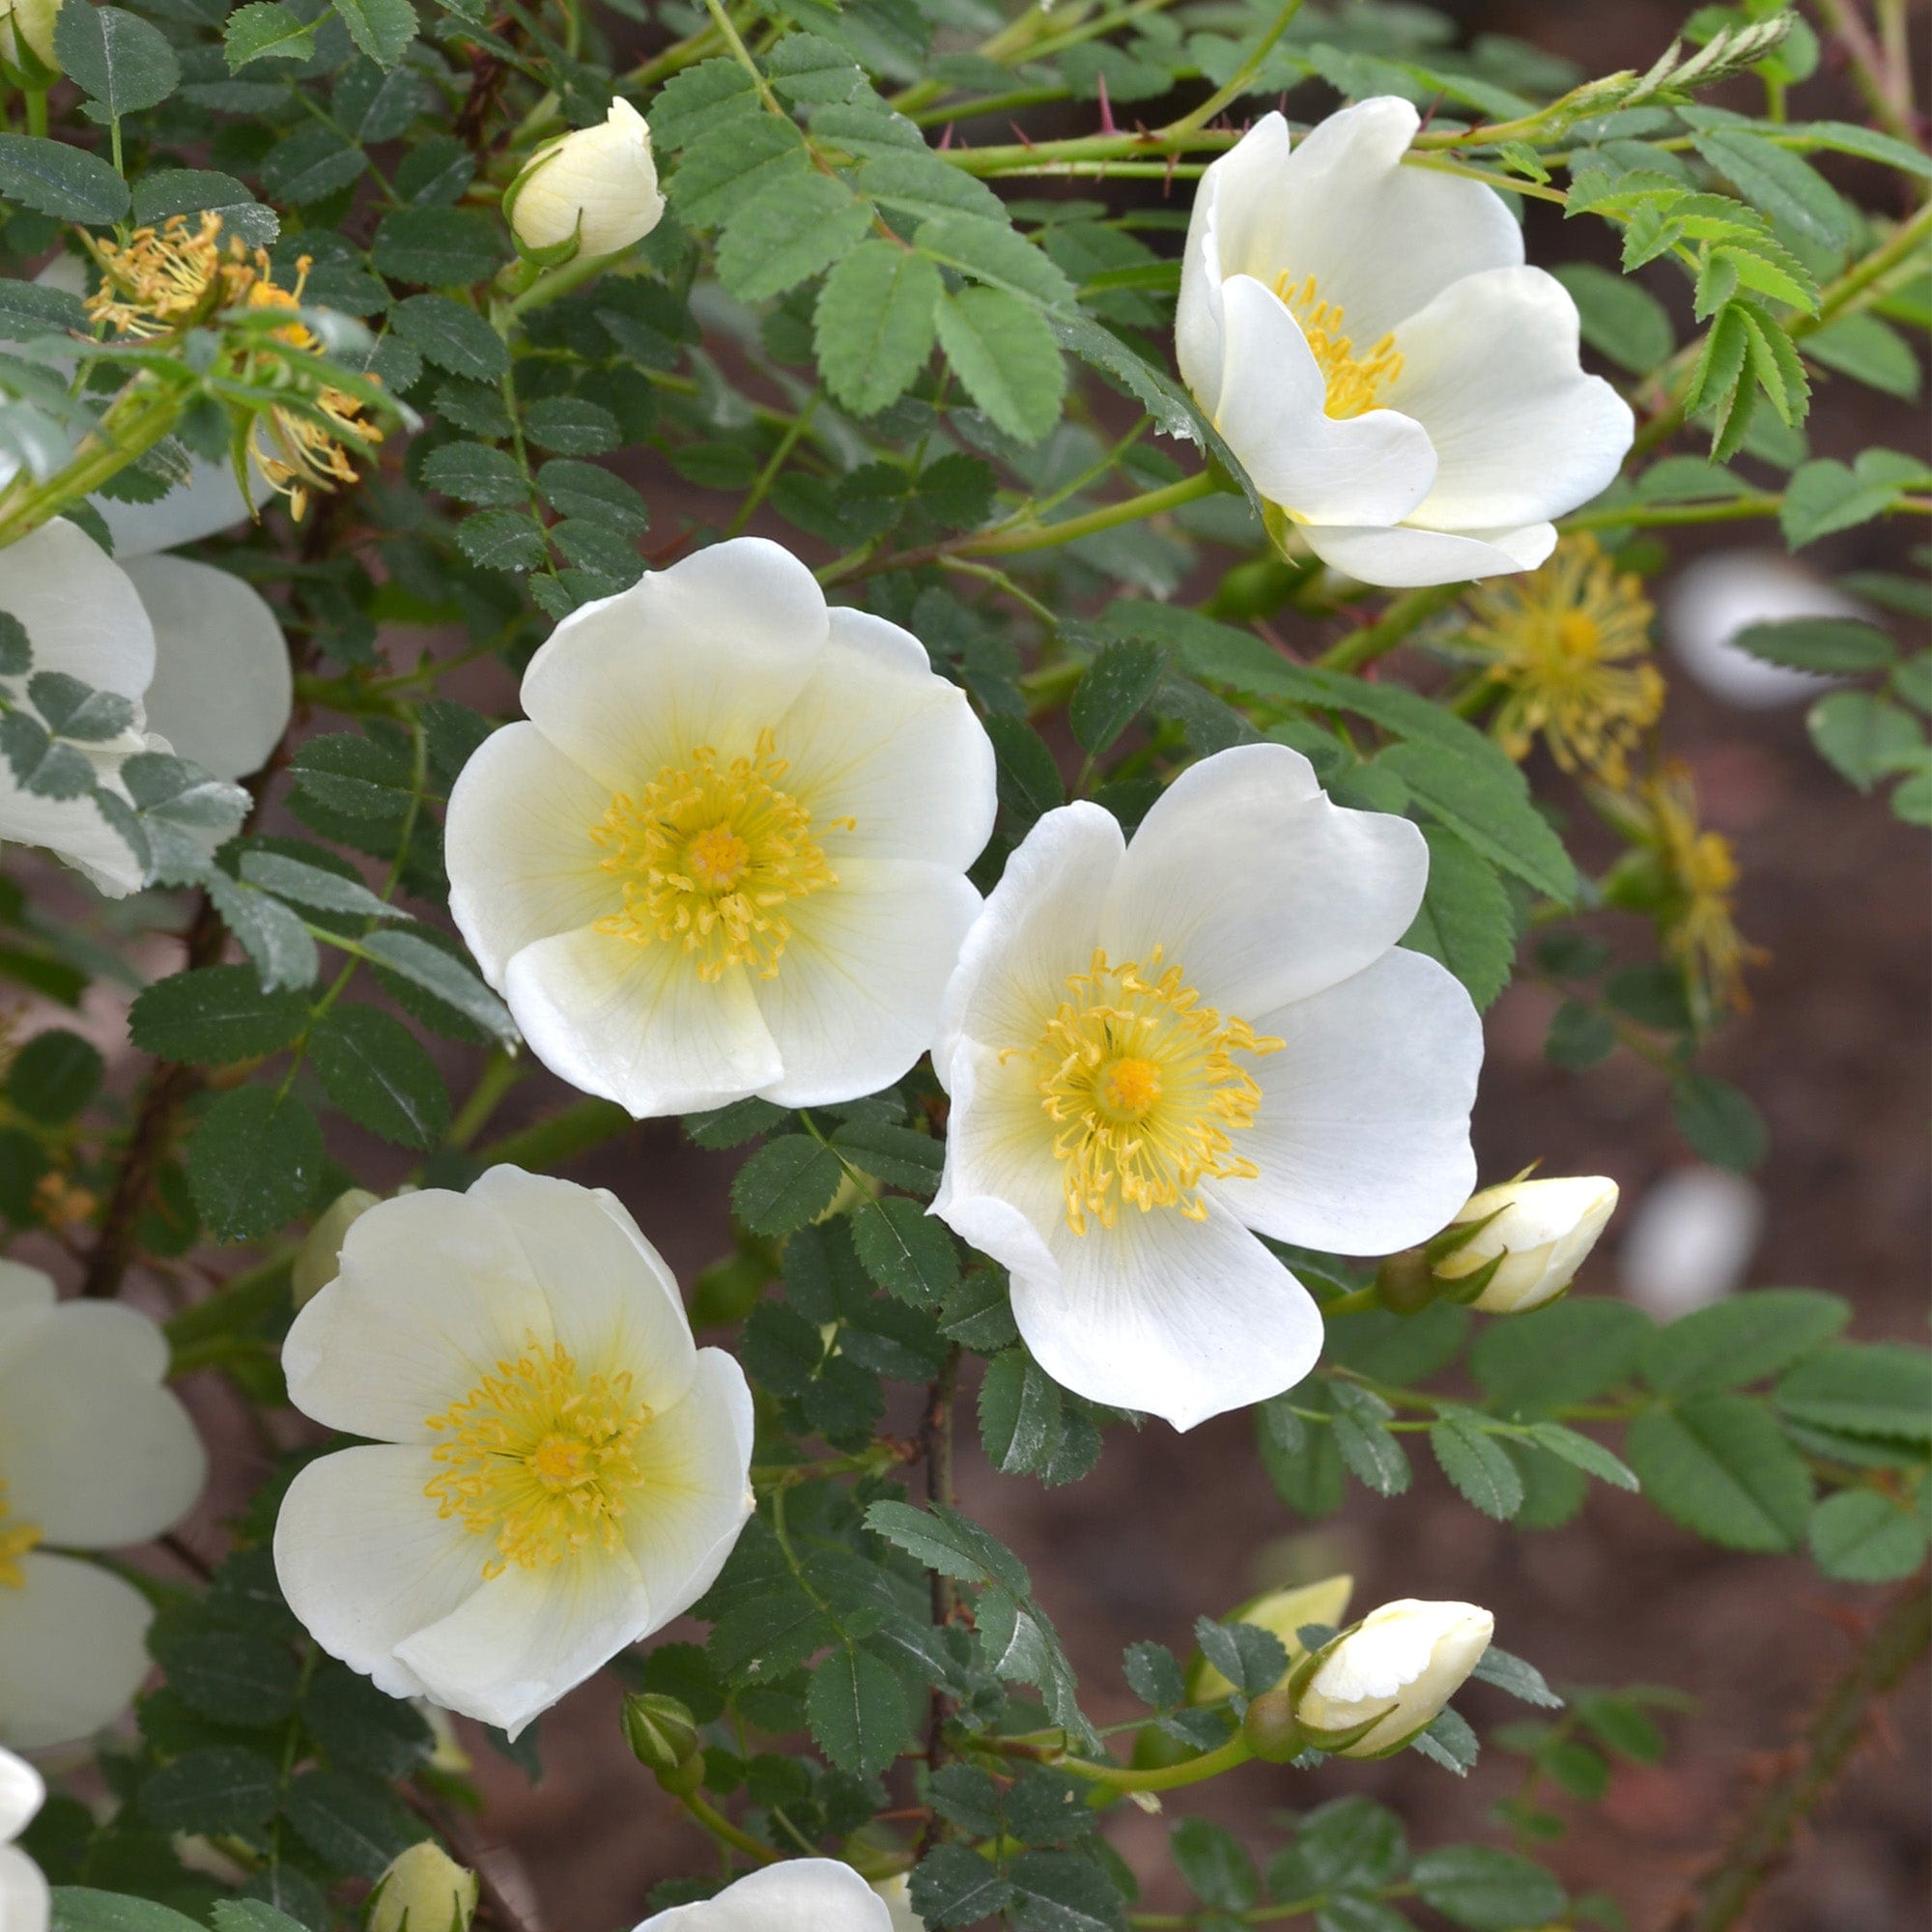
(1538, 1234)
(1394, 1671)
(598, 183)
(28, 25)
(1282, 1613)
(896, 1891)
(317, 1259)
(423, 1891)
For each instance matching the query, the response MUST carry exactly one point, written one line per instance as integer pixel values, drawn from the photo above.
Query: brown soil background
(1833, 1052)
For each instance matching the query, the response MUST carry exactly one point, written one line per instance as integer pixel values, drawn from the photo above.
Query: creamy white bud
(315, 1264)
(1541, 1233)
(424, 1890)
(1394, 1671)
(599, 183)
(896, 1891)
(1282, 1613)
(29, 24)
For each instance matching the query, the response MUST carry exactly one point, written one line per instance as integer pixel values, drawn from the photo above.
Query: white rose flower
(800, 1895)
(25, 1905)
(94, 1454)
(1158, 1051)
(555, 1471)
(1542, 1233)
(726, 854)
(1366, 338)
(602, 177)
(1405, 1661)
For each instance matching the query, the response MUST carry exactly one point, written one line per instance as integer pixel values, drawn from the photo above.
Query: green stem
(725, 1832)
(742, 54)
(1390, 629)
(560, 1136)
(131, 427)
(1237, 83)
(1237, 1752)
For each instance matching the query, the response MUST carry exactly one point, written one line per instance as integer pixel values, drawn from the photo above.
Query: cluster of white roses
(725, 855)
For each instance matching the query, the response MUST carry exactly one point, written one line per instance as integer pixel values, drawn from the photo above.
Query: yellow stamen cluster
(168, 278)
(16, 1539)
(1561, 641)
(1702, 869)
(707, 855)
(1141, 1080)
(1355, 383)
(541, 1459)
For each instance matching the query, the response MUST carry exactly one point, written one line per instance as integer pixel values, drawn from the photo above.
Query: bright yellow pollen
(541, 1459)
(1355, 383)
(708, 854)
(1142, 1082)
(16, 1539)
(1560, 642)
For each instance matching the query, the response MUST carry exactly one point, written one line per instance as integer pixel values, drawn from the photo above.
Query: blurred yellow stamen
(1142, 1082)
(707, 855)
(16, 1539)
(1355, 383)
(541, 1457)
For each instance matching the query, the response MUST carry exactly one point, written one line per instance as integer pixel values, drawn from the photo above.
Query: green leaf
(952, 1885)
(1718, 1122)
(451, 336)
(437, 248)
(1719, 1465)
(68, 184)
(1742, 1340)
(164, 192)
(315, 886)
(795, 229)
(1374, 1457)
(352, 1824)
(582, 490)
(215, 1016)
(1868, 1389)
(1056, 1891)
(909, 1254)
(1111, 691)
(54, 1075)
(266, 30)
(1020, 1420)
(1487, 1890)
(1828, 496)
(919, 182)
(1466, 920)
(993, 254)
(1567, 1353)
(1585, 1453)
(233, 1678)
(1214, 1863)
(571, 426)
(376, 1073)
(1862, 736)
(221, 1789)
(1008, 358)
(416, 960)
(1487, 812)
(472, 473)
(1028, 780)
(115, 58)
(77, 1909)
(1621, 317)
(1476, 1463)
(1864, 1537)
(858, 1712)
(696, 100)
(1840, 646)
(873, 325)
(254, 1163)
(1870, 351)
(728, 166)
(1788, 188)
(381, 28)
(787, 1182)
(901, 1156)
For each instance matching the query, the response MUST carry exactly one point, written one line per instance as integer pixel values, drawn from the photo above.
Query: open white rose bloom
(1158, 1050)
(24, 1903)
(94, 1454)
(557, 1468)
(726, 853)
(800, 1895)
(1541, 1233)
(1405, 1661)
(1366, 338)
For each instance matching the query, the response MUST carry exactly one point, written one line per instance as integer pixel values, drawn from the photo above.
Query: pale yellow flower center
(1355, 383)
(1141, 1080)
(707, 855)
(16, 1539)
(541, 1459)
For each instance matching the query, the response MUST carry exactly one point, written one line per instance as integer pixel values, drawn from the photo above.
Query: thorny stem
(1237, 82)
(1879, 80)
(935, 1438)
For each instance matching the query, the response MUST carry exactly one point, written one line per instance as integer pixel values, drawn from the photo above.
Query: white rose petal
(726, 854)
(1400, 1665)
(598, 183)
(1708, 602)
(820, 1895)
(1366, 338)
(24, 1902)
(1157, 1050)
(1541, 1233)
(1691, 1240)
(557, 1468)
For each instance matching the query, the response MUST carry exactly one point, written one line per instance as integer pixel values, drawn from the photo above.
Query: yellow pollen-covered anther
(1142, 1082)
(541, 1457)
(17, 1539)
(1355, 383)
(707, 856)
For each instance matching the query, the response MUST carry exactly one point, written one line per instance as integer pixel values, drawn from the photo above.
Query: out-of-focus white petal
(637, 1025)
(432, 1290)
(523, 864)
(876, 737)
(72, 1651)
(208, 501)
(1689, 1241)
(856, 996)
(708, 652)
(22, 1793)
(1712, 599)
(80, 609)
(1362, 1136)
(365, 1561)
(1406, 556)
(223, 690)
(1039, 923)
(1520, 433)
(1261, 887)
(798, 1895)
(1370, 468)
(23, 1289)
